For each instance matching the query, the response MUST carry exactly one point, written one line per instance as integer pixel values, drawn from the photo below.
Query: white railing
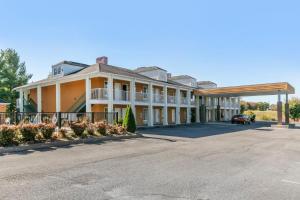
(121, 95)
(184, 100)
(171, 99)
(141, 97)
(158, 98)
(99, 94)
(193, 102)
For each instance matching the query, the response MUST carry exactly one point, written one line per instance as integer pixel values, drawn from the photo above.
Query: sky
(228, 42)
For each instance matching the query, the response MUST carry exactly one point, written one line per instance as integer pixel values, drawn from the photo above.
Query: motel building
(156, 97)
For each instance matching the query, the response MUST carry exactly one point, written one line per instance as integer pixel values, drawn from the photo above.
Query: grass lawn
(268, 115)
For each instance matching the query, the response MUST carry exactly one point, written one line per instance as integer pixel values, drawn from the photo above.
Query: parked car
(240, 119)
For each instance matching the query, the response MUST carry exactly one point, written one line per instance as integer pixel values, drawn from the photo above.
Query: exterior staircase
(79, 105)
(30, 106)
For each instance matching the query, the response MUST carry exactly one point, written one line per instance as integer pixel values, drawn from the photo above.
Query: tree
(263, 106)
(12, 74)
(293, 101)
(295, 112)
(129, 120)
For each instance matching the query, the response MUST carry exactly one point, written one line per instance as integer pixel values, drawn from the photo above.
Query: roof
(99, 67)
(3, 101)
(146, 69)
(206, 83)
(180, 77)
(71, 63)
(248, 90)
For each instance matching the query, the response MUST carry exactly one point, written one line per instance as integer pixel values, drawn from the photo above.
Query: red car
(240, 119)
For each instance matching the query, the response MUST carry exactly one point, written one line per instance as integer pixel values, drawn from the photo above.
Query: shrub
(29, 131)
(90, 129)
(129, 120)
(47, 130)
(101, 127)
(56, 135)
(112, 130)
(121, 130)
(78, 128)
(7, 134)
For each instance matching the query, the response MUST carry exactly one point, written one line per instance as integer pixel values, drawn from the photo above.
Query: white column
(150, 107)
(110, 91)
(188, 109)
(57, 97)
(88, 94)
(21, 100)
(178, 106)
(165, 113)
(132, 95)
(197, 109)
(39, 98)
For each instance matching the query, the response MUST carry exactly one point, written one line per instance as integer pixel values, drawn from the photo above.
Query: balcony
(121, 95)
(171, 99)
(99, 94)
(141, 97)
(158, 98)
(184, 100)
(193, 102)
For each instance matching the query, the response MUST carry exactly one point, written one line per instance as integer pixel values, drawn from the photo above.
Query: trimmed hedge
(129, 120)
(7, 134)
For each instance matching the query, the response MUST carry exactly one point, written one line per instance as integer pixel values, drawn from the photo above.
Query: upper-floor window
(57, 70)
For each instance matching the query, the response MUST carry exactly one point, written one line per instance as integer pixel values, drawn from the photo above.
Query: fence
(61, 119)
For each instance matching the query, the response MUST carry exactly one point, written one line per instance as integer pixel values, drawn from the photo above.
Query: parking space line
(292, 182)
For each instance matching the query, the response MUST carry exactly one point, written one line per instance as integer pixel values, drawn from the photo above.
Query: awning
(248, 90)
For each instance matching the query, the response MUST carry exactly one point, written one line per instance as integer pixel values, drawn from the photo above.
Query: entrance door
(156, 115)
(157, 96)
(125, 94)
(173, 115)
(117, 91)
(119, 111)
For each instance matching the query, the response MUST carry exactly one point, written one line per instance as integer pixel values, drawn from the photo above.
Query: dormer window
(57, 70)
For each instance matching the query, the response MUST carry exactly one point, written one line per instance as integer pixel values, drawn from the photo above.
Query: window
(57, 70)
(105, 84)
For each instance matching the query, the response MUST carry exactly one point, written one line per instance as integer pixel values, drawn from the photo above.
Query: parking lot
(213, 161)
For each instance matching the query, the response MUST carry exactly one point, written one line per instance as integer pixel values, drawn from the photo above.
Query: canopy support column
(287, 109)
(279, 109)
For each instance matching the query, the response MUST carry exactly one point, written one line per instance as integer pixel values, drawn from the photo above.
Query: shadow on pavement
(204, 130)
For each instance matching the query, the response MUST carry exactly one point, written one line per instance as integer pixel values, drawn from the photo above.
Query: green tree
(263, 106)
(295, 112)
(129, 120)
(12, 74)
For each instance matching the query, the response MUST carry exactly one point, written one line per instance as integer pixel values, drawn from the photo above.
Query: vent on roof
(102, 60)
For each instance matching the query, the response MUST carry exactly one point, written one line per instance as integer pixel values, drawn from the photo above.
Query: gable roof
(71, 63)
(206, 83)
(146, 69)
(180, 77)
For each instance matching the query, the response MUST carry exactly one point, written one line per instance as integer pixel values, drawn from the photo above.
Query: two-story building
(156, 97)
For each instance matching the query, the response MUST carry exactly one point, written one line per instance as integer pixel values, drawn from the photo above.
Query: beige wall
(48, 99)
(171, 92)
(98, 82)
(70, 93)
(139, 115)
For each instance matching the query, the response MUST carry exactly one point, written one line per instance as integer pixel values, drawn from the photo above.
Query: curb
(6, 150)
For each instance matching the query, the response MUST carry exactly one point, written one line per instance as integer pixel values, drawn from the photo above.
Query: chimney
(102, 60)
(169, 75)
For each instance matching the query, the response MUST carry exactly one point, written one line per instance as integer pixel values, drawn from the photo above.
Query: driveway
(198, 162)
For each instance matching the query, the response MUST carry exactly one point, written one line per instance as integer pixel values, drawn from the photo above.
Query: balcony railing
(193, 102)
(184, 100)
(158, 98)
(121, 95)
(171, 99)
(141, 97)
(99, 94)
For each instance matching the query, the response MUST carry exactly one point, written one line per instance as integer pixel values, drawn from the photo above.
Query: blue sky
(228, 42)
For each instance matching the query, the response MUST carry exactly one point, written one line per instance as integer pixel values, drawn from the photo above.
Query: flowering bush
(90, 129)
(7, 134)
(29, 131)
(47, 130)
(78, 128)
(101, 127)
(121, 130)
(113, 130)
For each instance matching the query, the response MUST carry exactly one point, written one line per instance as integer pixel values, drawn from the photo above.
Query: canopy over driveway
(254, 90)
